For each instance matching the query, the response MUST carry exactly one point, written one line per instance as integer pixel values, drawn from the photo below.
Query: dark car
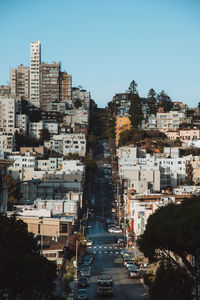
(83, 282)
(82, 294)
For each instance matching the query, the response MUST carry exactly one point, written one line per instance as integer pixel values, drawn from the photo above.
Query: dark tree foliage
(131, 136)
(152, 105)
(24, 273)
(164, 101)
(91, 167)
(133, 87)
(13, 189)
(171, 282)
(135, 110)
(173, 230)
(44, 136)
(24, 140)
(33, 113)
(77, 103)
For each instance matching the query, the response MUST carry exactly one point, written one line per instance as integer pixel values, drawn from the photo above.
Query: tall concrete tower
(35, 57)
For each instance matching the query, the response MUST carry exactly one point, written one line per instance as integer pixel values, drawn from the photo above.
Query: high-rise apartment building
(65, 87)
(20, 82)
(35, 61)
(7, 123)
(49, 84)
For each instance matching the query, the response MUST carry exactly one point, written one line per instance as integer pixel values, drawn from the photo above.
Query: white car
(89, 243)
(114, 230)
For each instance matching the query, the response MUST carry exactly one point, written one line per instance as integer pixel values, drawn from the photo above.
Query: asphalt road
(106, 252)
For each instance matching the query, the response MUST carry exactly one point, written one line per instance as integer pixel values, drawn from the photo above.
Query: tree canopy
(24, 273)
(171, 282)
(172, 233)
(164, 101)
(152, 105)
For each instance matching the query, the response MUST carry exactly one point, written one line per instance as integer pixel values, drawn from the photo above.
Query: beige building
(65, 87)
(35, 61)
(172, 134)
(61, 226)
(20, 82)
(169, 121)
(49, 84)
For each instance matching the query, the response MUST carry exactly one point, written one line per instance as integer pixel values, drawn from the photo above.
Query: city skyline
(97, 43)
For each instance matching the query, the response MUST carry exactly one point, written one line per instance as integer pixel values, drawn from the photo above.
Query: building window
(63, 228)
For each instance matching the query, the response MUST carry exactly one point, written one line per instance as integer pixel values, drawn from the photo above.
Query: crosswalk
(104, 249)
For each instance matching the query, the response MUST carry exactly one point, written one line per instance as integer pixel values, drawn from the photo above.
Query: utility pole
(118, 204)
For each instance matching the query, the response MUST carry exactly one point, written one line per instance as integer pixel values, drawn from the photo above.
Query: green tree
(171, 282)
(172, 233)
(24, 273)
(164, 101)
(152, 105)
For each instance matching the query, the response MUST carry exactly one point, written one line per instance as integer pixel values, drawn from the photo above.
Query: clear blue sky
(105, 44)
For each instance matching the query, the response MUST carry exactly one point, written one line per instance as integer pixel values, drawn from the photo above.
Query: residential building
(20, 82)
(49, 84)
(141, 206)
(189, 134)
(35, 61)
(57, 207)
(7, 123)
(172, 134)
(35, 128)
(68, 143)
(5, 90)
(122, 102)
(121, 124)
(65, 87)
(169, 121)
(22, 122)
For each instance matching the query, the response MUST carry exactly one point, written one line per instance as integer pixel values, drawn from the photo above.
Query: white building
(22, 122)
(35, 61)
(52, 127)
(68, 143)
(7, 123)
(28, 160)
(35, 128)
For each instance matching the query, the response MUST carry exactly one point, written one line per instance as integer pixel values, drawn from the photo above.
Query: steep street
(106, 252)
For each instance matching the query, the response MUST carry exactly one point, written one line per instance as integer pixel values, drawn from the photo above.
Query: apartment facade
(169, 121)
(65, 87)
(7, 123)
(49, 84)
(121, 124)
(35, 61)
(20, 82)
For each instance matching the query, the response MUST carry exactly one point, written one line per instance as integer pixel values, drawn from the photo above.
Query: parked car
(121, 242)
(83, 282)
(128, 261)
(134, 273)
(89, 243)
(85, 271)
(88, 259)
(82, 294)
(71, 297)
